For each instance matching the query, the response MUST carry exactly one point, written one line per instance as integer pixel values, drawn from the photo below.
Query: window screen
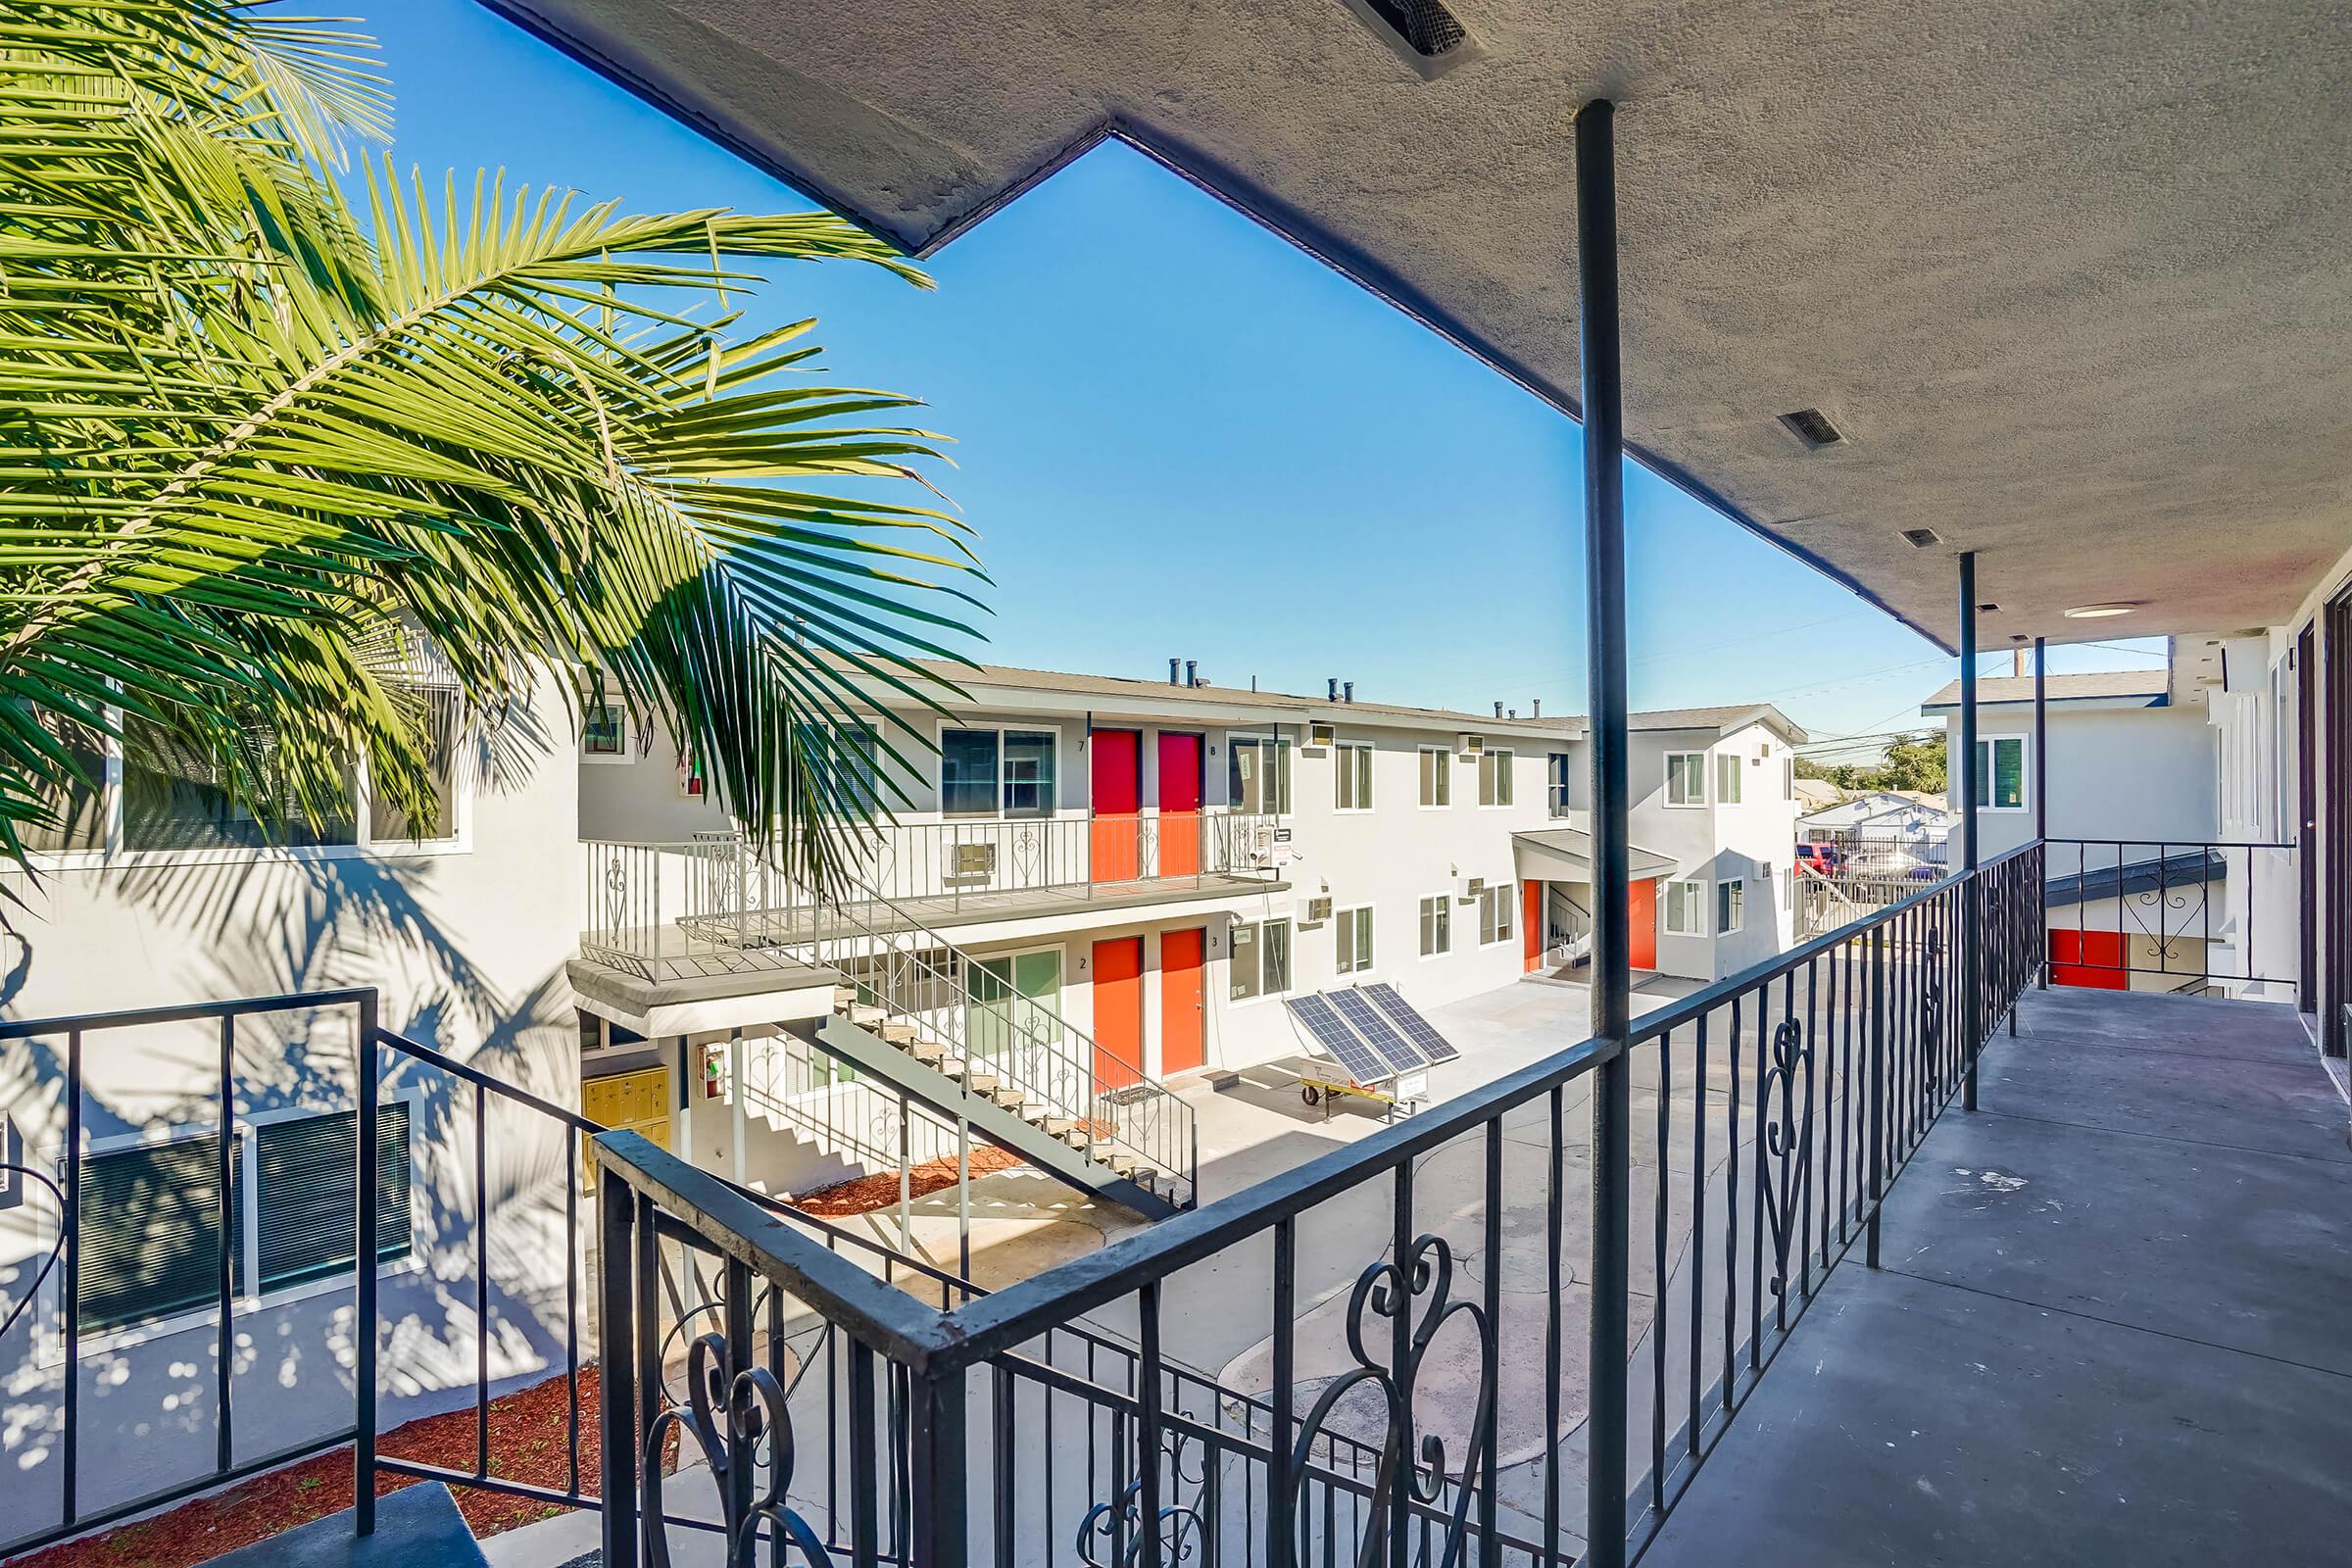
(1494, 778)
(150, 1231)
(1354, 940)
(1726, 779)
(308, 1200)
(1437, 925)
(1352, 778)
(967, 772)
(1437, 781)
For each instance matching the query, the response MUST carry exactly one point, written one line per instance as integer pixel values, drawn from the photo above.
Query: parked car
(1819, 860)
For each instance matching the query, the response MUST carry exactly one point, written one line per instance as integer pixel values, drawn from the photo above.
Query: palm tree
(261, 443)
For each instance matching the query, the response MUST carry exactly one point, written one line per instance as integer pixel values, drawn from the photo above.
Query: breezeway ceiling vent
(1428, 36)
(1921, 538)
(1813, 428)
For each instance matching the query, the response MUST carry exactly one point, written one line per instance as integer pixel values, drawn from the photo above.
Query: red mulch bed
(528, 1443)
(881, 1191)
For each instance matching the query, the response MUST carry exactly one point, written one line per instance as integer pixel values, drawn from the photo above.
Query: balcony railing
(842, 1417)
(2172, 915)
(663, 910)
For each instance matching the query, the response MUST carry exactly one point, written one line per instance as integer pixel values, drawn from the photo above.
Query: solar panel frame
(1407, 1017)
(1379, 1034)
(1344, 1045)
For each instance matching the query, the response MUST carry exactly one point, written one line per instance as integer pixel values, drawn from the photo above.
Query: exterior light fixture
(2100, 611)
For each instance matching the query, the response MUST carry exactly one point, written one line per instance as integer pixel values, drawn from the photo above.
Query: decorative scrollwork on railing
(731, 1412)
(1788, 1138)
(1931, 989)
(1117, 1527)
(1387, 1289)
(617, 892)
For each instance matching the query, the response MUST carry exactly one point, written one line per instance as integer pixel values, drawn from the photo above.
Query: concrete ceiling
(2074, 280)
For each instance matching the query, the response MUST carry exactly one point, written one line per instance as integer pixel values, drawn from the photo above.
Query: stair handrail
(1168, 1141)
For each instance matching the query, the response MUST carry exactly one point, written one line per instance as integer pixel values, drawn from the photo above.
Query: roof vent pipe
(1536, 709)
(1498, 710)
(1347, 692)
(1192, 672)
(1334, 694)
(1514, 712)
(1172, 680)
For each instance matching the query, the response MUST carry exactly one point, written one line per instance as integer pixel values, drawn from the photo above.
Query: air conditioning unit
(1474, 888)
(1318, 910)
(967, 861)
(1320, 735)
(1470, 745)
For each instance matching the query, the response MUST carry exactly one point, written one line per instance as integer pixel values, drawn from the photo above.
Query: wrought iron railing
(2172, 915)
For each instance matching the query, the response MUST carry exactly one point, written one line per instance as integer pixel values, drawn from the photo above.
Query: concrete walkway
(2114, 1324)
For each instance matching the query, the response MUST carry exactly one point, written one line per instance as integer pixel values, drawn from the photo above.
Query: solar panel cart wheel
(1312, 1094)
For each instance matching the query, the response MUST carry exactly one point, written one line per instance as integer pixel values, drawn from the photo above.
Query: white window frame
(1738, 919)
(2024, 774)
(1443, 903)
(1342, 769)
(1730, 768)
(1698, 906)
(998, 813)
(1499, 912)
(1499, 779)
(1342, 920)
(1439, 773)
(244, 1299)
(1258, 951)
(1666, 792)
(1283, 747)
(628, 734)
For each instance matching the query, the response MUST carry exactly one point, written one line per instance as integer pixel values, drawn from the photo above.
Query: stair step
(843, 997)
(1058, 1126)
(901, 1034)
(867, 1014)
(980, 1082)
(926, 1051)
(1009, 1096)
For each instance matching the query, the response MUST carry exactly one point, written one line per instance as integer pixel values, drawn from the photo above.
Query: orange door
(1183, 999)
(1531, 924)
(1119, 966)
(1179, 804)
(1115, 776)
(1642, 915)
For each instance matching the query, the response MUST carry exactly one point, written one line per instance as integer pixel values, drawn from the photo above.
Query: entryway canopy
(1566, 854)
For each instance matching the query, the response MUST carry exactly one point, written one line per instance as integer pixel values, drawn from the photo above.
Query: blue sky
(1178, 436)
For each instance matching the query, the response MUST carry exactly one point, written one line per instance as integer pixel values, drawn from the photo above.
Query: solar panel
(1399, 1051)
(1337, 1039)
(1405, 1016)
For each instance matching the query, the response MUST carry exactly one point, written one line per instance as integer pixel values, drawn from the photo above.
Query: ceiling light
(2100, 611)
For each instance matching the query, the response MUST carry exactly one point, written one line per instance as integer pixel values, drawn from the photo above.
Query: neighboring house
(1883, 825)
(1817, 794)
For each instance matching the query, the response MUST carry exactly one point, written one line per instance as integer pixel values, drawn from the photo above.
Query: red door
(1531, 922)
(1119, 966)
(1183, 1000)
(1641, 917)
(1116, 773)
(1179, 804)
(2090, 958)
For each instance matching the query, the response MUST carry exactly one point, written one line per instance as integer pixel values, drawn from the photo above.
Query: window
(82, 810)
(173, 798)
(1261, 960)
(386, 823)
(1258, 769)
(1686, 903)
(985, 773)
(1496, 907)
(605, 730)
(1436, 776)
(1556, 771)
(1351, 772)
(1685, 778)
(1437, 925)
(1727, 778)
(1730, 905)
(1494, 778)
(2001, 773)
(1015, 1001)
(1356, 940)
(151, 1235)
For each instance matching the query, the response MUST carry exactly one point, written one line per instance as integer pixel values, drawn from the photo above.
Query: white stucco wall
(2141, 774)
(468, 947)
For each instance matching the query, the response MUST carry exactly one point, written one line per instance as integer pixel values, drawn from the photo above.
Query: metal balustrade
(2176, 916)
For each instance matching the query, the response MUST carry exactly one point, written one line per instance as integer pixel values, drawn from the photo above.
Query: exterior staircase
(1012, 1068)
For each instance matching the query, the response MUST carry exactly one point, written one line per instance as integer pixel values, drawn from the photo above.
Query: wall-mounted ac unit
(967, 861)
(1470, 745)
(1318, 910)
(1474, 888)
(1319, 735)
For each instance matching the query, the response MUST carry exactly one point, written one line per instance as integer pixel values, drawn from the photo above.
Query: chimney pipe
(1535, 710)
(1348, 693)
(1172, 680)
(2017, 660)
(1191, 675)
(1334, 694)
(1498, 710)
(1514, 712)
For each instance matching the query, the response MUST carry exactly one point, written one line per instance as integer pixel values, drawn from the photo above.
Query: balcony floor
(2114, 1322)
